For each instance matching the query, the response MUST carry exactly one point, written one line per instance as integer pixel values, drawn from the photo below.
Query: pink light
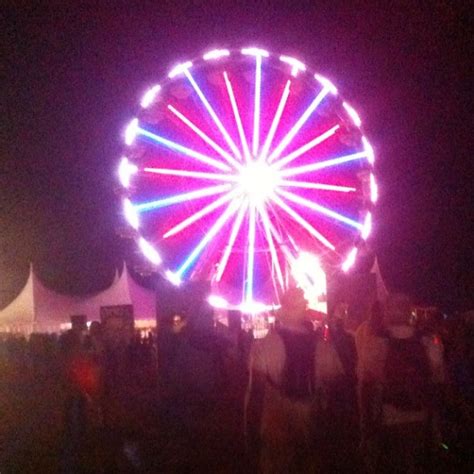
(131, 214)
(303, 222)
(326, 83)
(296, 66)
(255, 52)
(369, 150)
(217, 302)
(211, 233)
(200, 214)
(322, 164)
(276, 121)
(173, 278)
(268, 235)
(192, 174)
(318, 208)
(150, 253)
(180, 69)
(350, 260)
(131, 131)
(300, 151)
(374, 191)
(213, 114)
(250, 255)
(230, 244)
(256, 108)
(125, 171)
(208, 140)
(353, 114)
(324, 187)
(295, 129)
(238, 120)
(367, 227)
(216, 54)
(149, 96)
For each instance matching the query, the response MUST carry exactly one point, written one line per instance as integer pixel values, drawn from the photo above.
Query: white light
(297, 126)
(253, 307)
(310, 276)
(367, 228)
(131, 214)
(258, 181)
(217, 302)
(125, 171)
(215, 54)
(353, 114)
(326, 83)
(131, 131)
(350, 260)
(150, 253)
(368, 150)
(149, 96)
(374, 191)
(296, 66)
(255, 52)
(173, 278)
(201, 134)
(179, 69)
(238, 120)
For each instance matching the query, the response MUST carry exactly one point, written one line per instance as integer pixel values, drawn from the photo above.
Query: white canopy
(38, 308)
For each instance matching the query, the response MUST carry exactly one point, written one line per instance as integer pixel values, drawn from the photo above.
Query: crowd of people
(197, 396)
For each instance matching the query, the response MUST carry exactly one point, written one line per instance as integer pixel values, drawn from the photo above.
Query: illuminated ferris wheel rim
(258, 168)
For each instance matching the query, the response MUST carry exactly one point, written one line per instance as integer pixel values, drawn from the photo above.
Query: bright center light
(258, 181)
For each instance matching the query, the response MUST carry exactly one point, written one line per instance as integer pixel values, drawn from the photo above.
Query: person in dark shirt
(289, 372)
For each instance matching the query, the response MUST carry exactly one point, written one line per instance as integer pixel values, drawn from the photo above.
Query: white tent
(19, 315)
(38, 308)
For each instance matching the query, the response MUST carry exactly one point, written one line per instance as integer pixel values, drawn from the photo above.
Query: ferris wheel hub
(258, 181)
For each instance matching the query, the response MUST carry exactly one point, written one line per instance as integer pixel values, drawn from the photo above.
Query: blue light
(184, 150)
(177, 198)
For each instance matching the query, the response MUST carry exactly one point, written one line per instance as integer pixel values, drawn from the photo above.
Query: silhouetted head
(293, 305)
(398, 307)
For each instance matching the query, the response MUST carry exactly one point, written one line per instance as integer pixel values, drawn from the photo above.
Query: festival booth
(38, 308)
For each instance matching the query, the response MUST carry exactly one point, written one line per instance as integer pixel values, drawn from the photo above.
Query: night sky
(75, 73)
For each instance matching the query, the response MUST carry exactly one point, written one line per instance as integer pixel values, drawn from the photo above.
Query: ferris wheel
(237, 166)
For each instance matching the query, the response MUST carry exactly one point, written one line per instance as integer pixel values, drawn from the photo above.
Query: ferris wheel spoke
(289, 258)
(237, 117)
(210, 234)
(232, 161)
(183, 150)
(320, 209)
(310, 145)
(250, 255)
(192, 174)
(276, 121)
(303, 222)
(268, 235)
(322, 164)
(200, 214)
(256, 109)
(322, 186)
(297, 126)
(230, 244)
(213, 114)
(178, 198)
